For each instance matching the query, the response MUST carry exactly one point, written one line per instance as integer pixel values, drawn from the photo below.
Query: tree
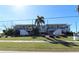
(35, 31)
(39, 21)
(9, 32)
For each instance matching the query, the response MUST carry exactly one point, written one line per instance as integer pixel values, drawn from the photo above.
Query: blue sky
(8, 13)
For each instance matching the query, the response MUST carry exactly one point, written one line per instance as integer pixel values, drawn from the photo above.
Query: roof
(33, 24)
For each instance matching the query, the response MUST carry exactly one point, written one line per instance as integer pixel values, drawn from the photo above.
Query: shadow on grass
(34, 37)
(65, 43)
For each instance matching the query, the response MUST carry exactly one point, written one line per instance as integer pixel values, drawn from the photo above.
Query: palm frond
(42, 17)
(36, 20)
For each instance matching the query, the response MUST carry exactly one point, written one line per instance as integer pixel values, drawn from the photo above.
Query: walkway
(22, 41)
(29, 41)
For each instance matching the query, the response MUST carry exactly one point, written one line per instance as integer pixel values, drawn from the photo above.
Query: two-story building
(43, 29)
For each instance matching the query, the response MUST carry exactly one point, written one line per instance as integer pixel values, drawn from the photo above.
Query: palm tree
(39, 21)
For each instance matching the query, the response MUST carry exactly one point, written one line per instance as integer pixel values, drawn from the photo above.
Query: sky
(11, 15)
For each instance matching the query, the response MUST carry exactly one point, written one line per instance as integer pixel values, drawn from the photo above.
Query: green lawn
(36, 47)
(24, 38)
(70, 38)
(49, 46)
(35, 38)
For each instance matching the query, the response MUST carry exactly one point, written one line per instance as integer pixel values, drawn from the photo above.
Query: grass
(12, 46)
(70, 38)
(24, 38)
(36, 47)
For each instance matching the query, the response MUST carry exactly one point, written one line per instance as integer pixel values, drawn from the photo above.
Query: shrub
(35, 31)
(9, 32)
(69, 33)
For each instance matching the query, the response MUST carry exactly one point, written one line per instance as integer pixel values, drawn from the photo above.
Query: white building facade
(51, 28)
